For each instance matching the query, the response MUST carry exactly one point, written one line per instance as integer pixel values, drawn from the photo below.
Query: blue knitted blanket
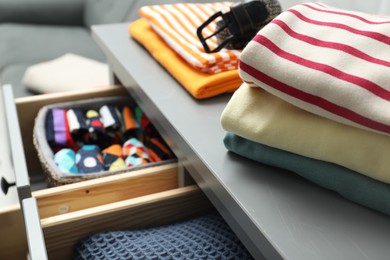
(204, 237)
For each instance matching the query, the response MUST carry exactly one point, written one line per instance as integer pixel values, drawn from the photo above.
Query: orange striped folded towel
(177, 25)
(328, 61)
(199, 85)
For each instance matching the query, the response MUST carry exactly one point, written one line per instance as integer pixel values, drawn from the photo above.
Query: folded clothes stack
(315, 101)
(108, 139)
(168, 32)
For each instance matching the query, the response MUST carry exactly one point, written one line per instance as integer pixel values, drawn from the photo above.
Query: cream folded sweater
(259, 116)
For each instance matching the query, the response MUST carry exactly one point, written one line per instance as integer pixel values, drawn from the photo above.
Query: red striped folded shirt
(332, 62)
(177, 25)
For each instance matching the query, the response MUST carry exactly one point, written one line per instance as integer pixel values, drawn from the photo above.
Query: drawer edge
(114, 208)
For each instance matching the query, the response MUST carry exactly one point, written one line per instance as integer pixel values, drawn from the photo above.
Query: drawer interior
(141, 198)
(61, 232)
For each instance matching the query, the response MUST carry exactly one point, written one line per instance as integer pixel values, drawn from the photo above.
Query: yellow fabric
(198, 84)
(177, 25)
(259, 116)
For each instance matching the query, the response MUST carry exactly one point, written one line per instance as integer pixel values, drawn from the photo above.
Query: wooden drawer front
(63, 231)
(101, 191)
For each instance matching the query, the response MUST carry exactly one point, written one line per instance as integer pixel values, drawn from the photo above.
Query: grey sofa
(34, 31)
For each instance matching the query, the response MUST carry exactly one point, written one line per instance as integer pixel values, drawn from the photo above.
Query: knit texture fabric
(204, 237)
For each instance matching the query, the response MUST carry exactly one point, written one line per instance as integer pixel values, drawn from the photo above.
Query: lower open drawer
(143, 198)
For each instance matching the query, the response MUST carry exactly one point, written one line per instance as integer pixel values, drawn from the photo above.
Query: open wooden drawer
(147, 197)
(56, 218)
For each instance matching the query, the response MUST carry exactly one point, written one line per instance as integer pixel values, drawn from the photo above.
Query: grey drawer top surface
(275, 213)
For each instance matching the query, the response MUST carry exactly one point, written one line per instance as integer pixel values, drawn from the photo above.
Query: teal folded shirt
(350, 184)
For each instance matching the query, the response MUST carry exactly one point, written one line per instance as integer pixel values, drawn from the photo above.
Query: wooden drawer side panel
(13, 243)
(96, 192)
(150, 210)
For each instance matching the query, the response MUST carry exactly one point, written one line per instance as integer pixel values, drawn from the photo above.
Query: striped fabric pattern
(177, 25)
(332, 62)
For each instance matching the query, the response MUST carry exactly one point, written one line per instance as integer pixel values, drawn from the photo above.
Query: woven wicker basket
(46, 156)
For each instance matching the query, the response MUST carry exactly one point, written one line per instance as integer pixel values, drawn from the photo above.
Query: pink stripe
(363, 19)
(370, 34)
(331, 45)
(314, 100)
(361, 82)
